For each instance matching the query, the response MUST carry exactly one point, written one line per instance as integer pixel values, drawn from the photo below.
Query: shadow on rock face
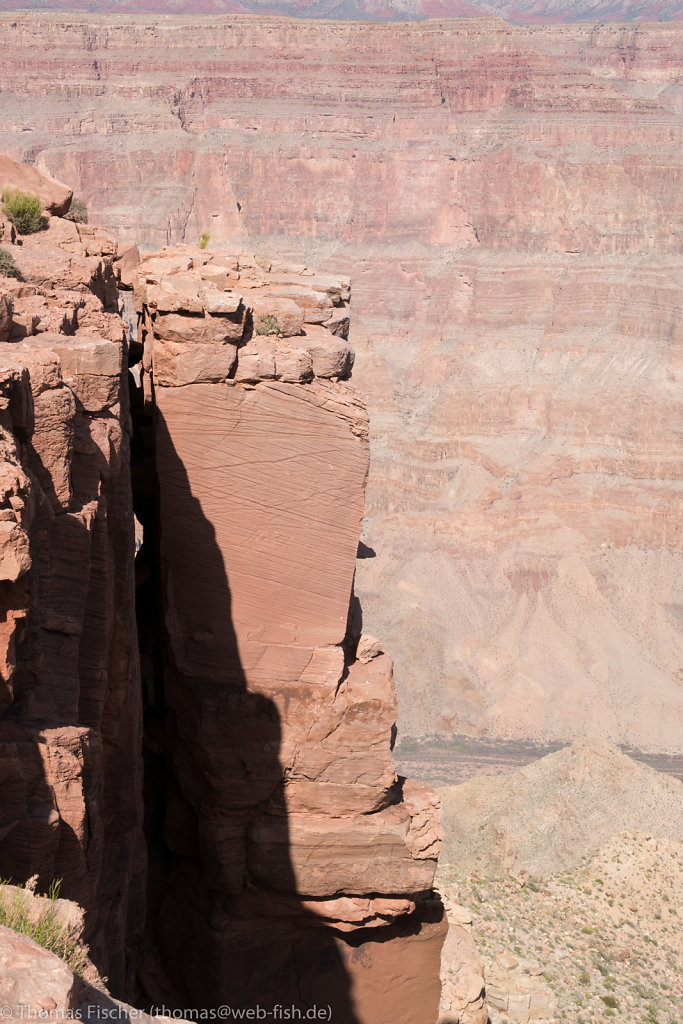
(214, 767)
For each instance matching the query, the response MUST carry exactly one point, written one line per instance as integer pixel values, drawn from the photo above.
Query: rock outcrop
(297, 867)
(507, 202)
(70, 723)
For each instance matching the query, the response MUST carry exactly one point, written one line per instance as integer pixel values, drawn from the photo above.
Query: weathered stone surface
(33, 981)
(523, 998)
(178, 364)
(212, 330)
(36, 983)
(6, 308)
(126, 265)
(464, 993)
(256, 361)
(90, 367)
(289, 315)
(357, 855)
(344, 765)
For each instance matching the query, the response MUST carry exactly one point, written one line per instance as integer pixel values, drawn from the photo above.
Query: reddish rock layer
(69, 687)
(508, 202)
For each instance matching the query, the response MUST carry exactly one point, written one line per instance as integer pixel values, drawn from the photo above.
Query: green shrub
(78, 211)
(204, 239)
(610, 1001)
(7, 265)
(24, 209)
(268, 324)
(46, 929)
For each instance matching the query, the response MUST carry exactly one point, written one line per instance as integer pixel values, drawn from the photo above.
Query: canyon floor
(605, 938)
(448, 761)
(583, 928)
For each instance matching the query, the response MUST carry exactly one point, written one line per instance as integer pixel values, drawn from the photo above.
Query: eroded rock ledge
(297, 865)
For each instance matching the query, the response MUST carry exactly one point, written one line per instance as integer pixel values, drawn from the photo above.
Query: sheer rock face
(507, 201)
(289, 836)
(69, 681)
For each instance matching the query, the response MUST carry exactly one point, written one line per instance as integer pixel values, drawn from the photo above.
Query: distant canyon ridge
(508, 203)
(521, 11)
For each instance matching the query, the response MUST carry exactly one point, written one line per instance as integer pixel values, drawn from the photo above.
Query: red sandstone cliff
(507, 200)
(298, 867)
(70, 722)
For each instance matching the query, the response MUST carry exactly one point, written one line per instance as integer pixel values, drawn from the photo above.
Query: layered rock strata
(507, 201)
(298, 867)
(70, 737)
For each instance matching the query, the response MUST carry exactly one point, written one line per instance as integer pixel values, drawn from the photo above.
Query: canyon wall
(383, 10)
(507, 201)
(70, 711)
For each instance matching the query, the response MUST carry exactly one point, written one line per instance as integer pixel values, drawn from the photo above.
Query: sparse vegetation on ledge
(605, 937)
(267, 324)
(24, 209)
(78, 211)
(19, 912)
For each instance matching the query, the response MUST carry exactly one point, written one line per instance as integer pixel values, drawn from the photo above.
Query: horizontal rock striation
(507, 200)
(70, 757)
(297, 866)
(556, 142)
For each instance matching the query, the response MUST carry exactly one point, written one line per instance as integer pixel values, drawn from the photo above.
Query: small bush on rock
(24, 209)
(8, 267)
(78, 211)
(268, 324)
(204, 240)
